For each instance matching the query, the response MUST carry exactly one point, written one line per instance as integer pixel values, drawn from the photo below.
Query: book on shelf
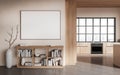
(28, 64)
(41, 60)
(24, 53)
(56, 53)
(55, 61)
(25, 60)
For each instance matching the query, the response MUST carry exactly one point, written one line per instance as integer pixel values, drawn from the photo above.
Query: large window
(95, 29)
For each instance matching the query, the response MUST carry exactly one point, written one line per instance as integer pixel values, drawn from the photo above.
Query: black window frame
(78, 26)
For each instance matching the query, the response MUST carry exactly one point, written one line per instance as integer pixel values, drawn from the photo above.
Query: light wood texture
(98, 3)
(47, 48)
(116, 55)
(41, 67)
(86, 48)
(108, 48)
(71, 51)
(83, 48)
(99, 59)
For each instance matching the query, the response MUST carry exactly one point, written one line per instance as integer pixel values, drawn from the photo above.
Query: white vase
(9, 58)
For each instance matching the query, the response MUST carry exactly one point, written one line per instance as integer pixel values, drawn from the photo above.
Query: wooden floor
(92, 65)
(99, 59)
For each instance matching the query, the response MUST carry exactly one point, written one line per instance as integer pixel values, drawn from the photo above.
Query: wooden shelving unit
(39, 56)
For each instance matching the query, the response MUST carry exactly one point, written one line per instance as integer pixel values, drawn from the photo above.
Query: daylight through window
(95, 29)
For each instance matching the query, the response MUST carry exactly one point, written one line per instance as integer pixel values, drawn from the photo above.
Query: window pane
(89, 37)
(103, 37)
(89, 29)
(110, 22)
(77, 38)
(82, 21)
(76, 29)
(89, 22)
(103, 29)
(96, 29)
(96, 37)
(103, 22)
(111, 37)
(96, 22)
(82, 37)
(110, 29)
(77, 22)
(81, 29)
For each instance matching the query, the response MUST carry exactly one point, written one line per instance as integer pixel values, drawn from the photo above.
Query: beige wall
(10, 15)
(102, 12)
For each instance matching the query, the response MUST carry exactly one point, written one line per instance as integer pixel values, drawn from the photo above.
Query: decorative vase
(9, 58)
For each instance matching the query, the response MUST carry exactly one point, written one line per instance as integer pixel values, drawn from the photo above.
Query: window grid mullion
(85, 30)
(93, 26)
(93, 30)
(114, 29)
(100, 31)
(78, 30)
(107, 30)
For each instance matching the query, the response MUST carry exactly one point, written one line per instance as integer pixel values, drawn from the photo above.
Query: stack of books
(24, 53)
(56, 53)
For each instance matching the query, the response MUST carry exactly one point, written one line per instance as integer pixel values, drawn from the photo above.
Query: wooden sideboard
(39, 56)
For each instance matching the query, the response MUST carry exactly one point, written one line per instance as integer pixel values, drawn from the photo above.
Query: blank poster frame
(40, 24)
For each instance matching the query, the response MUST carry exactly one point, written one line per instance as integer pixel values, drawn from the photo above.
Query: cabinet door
(85, 49)
(109, 49)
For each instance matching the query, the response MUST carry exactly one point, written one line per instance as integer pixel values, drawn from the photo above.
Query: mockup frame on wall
(40, 24)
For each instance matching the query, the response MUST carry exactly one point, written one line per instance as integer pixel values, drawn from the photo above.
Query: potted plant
(10, 41)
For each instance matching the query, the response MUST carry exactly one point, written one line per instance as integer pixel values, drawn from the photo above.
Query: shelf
(38, 57)
(41, 67)
(54, 57)
(46, 59)
(24, 57)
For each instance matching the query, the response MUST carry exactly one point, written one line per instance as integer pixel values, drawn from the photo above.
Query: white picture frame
(40, 24)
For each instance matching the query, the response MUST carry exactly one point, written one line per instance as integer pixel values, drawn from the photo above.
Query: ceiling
(98, 3)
